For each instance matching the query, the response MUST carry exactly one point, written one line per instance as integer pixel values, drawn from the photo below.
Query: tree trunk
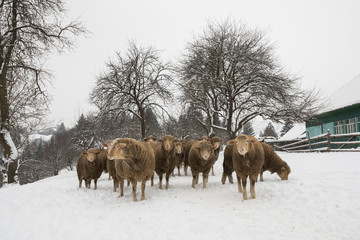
(142, 122)
(5, 56)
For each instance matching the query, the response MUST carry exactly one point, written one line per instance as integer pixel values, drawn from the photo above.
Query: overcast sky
(317, 40)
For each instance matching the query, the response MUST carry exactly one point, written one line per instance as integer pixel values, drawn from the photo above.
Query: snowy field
(321, 200)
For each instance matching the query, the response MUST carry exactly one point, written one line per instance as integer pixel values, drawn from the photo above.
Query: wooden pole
(328, 140)
(308, 135)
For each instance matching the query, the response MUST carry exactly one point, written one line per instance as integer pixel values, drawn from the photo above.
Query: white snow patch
(10, 142)
(36, 136)
(319, 201)
(298, 131)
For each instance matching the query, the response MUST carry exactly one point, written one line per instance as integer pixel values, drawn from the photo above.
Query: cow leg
(160, 180)
(134, 184)
(195, 177)
(95, 183)
(239, 183)
(243, 179)
(252, 186)
(88, 182)
(205, 178)
(223, 178)
(230, 178)
(116, 183)
(121, 187)
(80, 182)
(261, 175)
(143, 183)
(167, 180)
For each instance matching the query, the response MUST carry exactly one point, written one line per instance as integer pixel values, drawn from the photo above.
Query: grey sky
(318, 40)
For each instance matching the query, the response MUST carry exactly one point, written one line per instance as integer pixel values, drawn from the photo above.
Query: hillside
(319, 201)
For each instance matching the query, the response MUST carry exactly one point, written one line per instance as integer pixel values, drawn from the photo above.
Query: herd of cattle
(137, 161)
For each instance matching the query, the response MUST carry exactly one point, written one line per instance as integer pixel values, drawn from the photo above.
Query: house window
(339, 127)
(350, 126)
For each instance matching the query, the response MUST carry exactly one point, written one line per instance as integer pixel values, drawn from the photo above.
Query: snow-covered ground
(321, 200)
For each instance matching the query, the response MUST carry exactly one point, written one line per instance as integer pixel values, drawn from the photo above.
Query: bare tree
(230, 74)
(133, 83)
(28, 31)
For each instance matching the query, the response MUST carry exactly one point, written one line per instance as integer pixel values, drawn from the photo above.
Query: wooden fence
(325, 143)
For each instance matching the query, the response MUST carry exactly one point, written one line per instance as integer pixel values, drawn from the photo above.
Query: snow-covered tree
(132, 83)
(230, 74)
(84, 133)
(29, 30)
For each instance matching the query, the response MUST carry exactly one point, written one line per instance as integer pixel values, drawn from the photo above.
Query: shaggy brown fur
(216, 142)
(150, 139)
(179, 155)
(248, 158)
(165, 158)
(134, 161)
(186, 154)
(228, 167)
(90, 165)
(274, 163)
(201, 159)
(110, 166)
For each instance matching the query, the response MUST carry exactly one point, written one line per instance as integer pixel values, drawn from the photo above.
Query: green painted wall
(327, 120)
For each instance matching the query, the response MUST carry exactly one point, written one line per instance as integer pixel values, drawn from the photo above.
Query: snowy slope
(319, 201)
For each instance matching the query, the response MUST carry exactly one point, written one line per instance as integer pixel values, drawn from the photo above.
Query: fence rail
(328, 140)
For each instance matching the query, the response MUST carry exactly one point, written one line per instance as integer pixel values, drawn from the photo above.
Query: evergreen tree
(84, 134)
(151, 122)
(287, 126)
(248, 129)
(61, 128)
(189, 124)
(270, 131)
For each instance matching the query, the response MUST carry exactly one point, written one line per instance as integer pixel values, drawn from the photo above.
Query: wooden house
(343, 114)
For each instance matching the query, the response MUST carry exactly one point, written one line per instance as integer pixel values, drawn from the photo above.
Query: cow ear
(221, 139)
(97, 152)
(231, 142)
(122, 145)
(160, 140)
(105, 145)
(176, 140)
(84, 153)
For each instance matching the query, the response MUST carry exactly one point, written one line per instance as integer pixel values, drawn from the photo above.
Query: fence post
(308, 135)
(328, 140)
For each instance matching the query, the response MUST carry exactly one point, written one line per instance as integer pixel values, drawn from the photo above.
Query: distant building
(343, 113)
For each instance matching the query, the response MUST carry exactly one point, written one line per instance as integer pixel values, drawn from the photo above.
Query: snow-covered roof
(346, 95)
(298, 131)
